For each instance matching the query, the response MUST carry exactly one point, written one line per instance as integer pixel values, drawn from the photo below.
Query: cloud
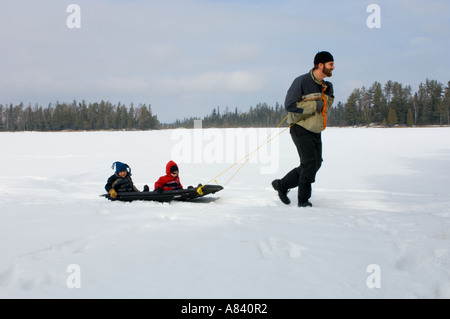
(180, 55)
(419, 41)
(241, 52)
(128, 85)
(236, 81)
(242, 81)
(162, 52)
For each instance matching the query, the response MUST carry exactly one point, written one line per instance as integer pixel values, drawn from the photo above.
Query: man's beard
(326, 71)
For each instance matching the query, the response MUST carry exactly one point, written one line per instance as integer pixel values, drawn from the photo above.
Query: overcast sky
(186, 57)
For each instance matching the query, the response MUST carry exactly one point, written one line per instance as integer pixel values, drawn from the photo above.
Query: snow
(379, 228)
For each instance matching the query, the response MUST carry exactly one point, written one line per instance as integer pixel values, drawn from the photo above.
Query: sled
(187, 194)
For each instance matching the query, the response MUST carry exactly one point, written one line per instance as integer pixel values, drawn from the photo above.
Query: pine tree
(39, 121)
(409, 118)
(388, 91)
(400, 101)
(365, 106)
(29, 119)
(121, 117)
(392, 117)
(444, 107)
(351, 108)
(379, 103)
(2, 118)
(415, 103)
(83, 116)
(144, 118)
(429, 98)
(131, 120)
(337, 115)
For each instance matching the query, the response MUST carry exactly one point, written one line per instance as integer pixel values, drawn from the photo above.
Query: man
(308, 102)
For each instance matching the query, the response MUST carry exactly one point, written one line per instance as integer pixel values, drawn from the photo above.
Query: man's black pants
(309, 148)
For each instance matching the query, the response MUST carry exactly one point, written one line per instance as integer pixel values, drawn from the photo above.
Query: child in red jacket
(171, 180)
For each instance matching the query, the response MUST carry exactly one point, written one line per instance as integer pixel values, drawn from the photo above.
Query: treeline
(384, 105)
(262, 115)
(77, 116)
(394, 104)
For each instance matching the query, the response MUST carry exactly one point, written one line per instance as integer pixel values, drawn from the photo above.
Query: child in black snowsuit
(121, 181)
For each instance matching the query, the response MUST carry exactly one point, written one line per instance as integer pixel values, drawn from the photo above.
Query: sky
(187, 57)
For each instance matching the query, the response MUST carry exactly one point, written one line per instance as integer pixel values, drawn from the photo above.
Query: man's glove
(329, 91)
(159, 190)
(113, 193)
(319, 106)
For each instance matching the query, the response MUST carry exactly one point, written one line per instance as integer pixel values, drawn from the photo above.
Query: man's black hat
(323, 57)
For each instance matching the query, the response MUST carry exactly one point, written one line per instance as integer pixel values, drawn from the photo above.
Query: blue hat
(121, 167)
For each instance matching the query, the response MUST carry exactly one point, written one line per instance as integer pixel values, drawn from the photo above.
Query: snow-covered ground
(379, 228)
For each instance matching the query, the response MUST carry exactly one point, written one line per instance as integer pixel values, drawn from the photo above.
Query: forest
(386, 105)
(77, 116)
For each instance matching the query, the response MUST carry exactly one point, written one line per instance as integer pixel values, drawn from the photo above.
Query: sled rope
(247, 157)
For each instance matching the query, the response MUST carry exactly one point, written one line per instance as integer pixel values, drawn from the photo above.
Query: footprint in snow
(277, 248)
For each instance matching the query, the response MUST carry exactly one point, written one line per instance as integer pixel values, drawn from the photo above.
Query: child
(121, 181)
(171, 180)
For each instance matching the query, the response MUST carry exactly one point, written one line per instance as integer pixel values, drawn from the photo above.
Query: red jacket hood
(169, 166)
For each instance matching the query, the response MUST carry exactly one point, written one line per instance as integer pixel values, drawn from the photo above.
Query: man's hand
(319, 106)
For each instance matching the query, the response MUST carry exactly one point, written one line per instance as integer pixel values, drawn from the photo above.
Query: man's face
(328, 68)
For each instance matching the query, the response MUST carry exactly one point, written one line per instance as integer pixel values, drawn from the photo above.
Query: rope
(248, 156)
(266, 141)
